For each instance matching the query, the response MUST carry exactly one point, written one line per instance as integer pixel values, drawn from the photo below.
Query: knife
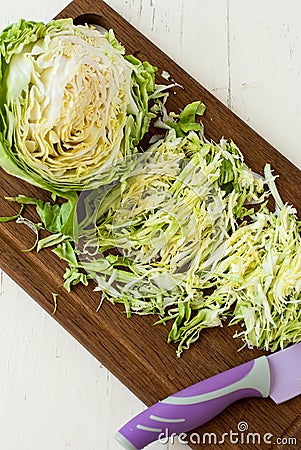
(277, 375)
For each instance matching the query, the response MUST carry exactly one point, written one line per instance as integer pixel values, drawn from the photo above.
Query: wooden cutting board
(134, 349)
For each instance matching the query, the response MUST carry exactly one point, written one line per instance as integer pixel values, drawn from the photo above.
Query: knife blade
(277, 375)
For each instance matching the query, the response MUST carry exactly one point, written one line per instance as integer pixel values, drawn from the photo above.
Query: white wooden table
(53, 393)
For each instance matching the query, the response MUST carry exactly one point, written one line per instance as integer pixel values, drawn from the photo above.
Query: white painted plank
(192, 32)
(265, 42)
(13, 10)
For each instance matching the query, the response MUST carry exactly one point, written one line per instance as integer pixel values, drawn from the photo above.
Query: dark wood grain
(134, 349)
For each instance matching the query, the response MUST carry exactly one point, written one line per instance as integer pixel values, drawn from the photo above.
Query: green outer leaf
(186, 121)
(56, 218)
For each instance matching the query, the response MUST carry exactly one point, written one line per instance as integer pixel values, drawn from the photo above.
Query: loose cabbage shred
(182, 230)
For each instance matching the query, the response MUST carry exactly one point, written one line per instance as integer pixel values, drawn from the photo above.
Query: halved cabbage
(71, 104)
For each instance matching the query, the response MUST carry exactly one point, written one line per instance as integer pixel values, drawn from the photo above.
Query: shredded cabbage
(168, 222)
(185, 232)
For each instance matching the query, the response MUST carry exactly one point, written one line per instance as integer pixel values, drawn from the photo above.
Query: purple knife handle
(196, 405)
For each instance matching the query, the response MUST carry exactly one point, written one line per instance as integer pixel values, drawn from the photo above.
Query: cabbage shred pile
(181, 230)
